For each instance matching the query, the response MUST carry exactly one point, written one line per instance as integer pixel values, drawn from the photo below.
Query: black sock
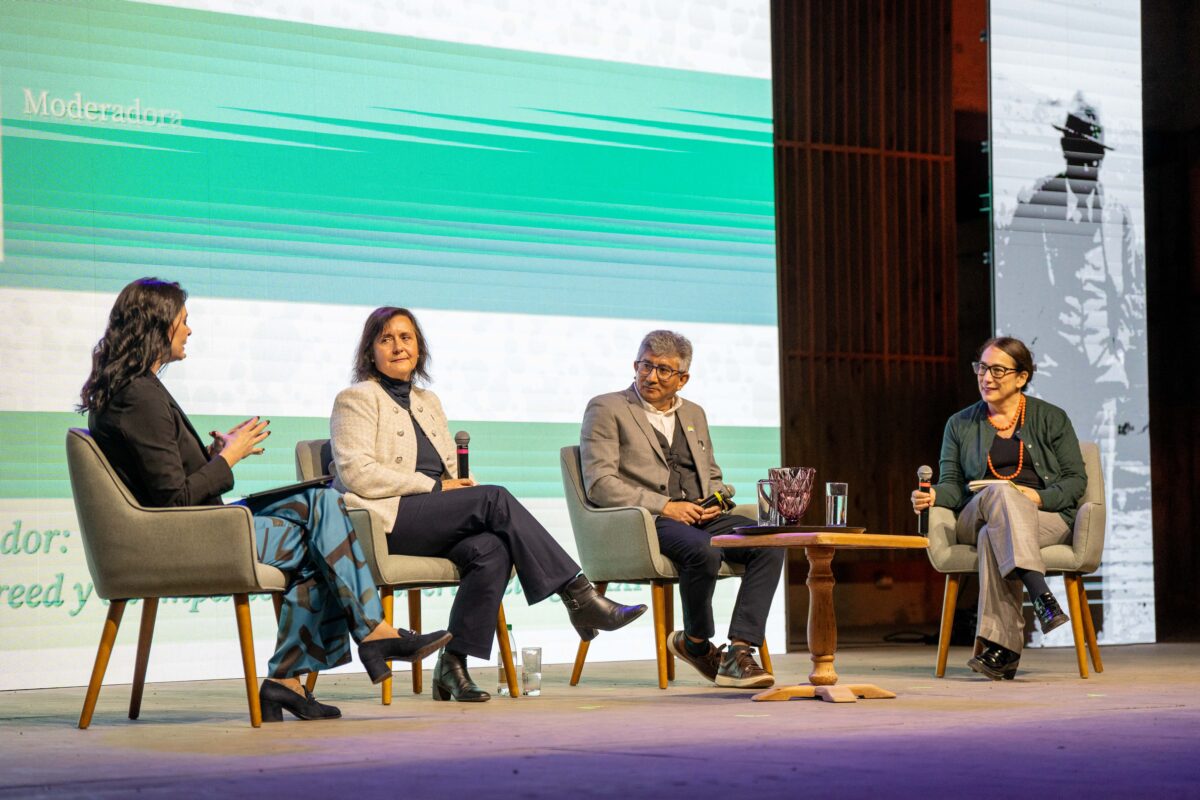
(696, 648)
(1035, 582)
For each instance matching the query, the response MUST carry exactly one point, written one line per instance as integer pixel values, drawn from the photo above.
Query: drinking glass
(791, 490)
(531, 671)
(766, 510)
(836, 499)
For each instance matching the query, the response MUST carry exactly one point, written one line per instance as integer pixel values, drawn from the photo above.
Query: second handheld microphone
(924, 481)
(462, 439)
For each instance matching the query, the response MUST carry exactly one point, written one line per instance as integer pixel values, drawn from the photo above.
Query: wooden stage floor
(1133, 731)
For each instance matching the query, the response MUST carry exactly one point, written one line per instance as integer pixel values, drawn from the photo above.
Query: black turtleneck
(400, 391)
(429, 461)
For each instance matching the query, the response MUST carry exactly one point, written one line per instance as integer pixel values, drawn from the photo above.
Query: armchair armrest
(941, 536)
(617, 543)
(365, 530)
(168, 552)
(747, 510)
(1087, 540)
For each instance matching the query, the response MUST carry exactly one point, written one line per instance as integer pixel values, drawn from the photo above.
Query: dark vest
(684, 483)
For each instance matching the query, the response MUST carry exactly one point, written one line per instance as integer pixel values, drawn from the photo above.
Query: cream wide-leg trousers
(1009, 531)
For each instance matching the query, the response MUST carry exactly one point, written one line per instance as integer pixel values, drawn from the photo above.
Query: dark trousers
(699, 562)
(485, 532)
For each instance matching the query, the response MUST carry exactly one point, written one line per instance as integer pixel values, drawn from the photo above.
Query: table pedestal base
(838, 693)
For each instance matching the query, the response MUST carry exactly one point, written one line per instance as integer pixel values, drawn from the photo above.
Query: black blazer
(153, 447)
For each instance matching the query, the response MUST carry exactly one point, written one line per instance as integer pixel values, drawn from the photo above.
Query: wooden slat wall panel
(865, 239)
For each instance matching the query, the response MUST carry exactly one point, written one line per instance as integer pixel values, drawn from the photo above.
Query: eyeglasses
(995, 370)
(664, 372)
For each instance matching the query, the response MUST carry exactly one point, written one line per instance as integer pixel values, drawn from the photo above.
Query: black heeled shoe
(451, 679)
(410, 646)
(1050, 615)
(996, 662)
(592, 612)
(274, 697)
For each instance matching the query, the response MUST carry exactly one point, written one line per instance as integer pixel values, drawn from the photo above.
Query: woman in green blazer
(1011, 468)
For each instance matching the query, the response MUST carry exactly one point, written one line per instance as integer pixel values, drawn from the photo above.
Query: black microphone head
(462, 438)
(924, 473)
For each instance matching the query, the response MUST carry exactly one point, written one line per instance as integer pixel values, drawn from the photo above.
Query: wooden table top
(811, 535)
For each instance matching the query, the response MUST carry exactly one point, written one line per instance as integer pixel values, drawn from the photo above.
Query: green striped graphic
(523, 456)
(315, 164)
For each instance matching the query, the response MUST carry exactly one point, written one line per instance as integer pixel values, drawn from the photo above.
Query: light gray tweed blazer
(622, 462)
(375, 448)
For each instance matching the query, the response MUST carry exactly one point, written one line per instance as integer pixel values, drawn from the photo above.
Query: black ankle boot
(1049, 615)
(274, 697)
(592, 612)
(451, 679)
(996, 662)
(410, 646)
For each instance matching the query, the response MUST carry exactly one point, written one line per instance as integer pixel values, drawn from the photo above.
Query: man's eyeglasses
(664, 372)
(995, 370)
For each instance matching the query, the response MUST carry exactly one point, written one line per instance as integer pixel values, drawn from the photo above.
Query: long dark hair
(137, 337)
(1017, 351)
(364, 356)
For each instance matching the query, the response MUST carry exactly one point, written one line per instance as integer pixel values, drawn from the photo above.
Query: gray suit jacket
(622, 462)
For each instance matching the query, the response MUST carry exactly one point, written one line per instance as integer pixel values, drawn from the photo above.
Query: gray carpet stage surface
(1133, 731)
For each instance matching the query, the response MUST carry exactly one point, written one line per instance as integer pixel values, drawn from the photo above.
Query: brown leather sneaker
(706, 664)
(739, 670)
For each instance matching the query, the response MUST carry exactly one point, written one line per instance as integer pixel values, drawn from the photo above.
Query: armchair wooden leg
(766, 657)
(310, 682)
(949, 604)
(1089, 628)
(241, 607)
(582, 651)
(387, 599)
(506, 653)
(108, 636)
(415, 623)
(669, 617)
(659, 602)
(580, 657)
(1076, 612)
(145, 634)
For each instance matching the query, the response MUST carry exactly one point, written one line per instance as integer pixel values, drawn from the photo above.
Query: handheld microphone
(924, 481)
(462, 439)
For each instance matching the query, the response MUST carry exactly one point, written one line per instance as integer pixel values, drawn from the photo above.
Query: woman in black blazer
(161, 458)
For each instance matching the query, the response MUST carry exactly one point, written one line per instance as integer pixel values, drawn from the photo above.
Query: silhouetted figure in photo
(1073, 252)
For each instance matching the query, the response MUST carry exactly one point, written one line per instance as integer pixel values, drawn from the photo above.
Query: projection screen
(1070, 272)
(543, 183)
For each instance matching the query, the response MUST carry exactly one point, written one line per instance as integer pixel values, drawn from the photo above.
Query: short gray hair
(666, 344)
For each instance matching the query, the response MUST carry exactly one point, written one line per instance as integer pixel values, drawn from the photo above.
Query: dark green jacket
(1050, 445)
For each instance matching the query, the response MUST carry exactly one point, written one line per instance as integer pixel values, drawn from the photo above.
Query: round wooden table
(820, 543)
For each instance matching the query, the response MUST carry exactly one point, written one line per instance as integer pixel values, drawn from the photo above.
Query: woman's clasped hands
(240, 441)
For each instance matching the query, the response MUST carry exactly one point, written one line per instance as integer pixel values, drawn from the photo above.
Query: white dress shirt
(661, 421)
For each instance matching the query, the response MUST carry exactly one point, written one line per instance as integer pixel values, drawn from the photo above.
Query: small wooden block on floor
(838, 693)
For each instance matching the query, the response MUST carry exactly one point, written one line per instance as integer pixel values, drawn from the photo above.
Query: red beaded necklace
(1020, 445)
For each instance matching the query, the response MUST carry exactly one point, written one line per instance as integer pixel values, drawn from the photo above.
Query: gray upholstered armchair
(1073, 561)
(620, 545)
(142, 553)
(314, 458)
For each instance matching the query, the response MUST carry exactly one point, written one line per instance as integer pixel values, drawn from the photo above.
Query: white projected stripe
(291, 359)
(730, 37)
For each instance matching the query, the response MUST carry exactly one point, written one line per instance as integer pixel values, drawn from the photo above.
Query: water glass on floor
(531, 671)
(835, 504)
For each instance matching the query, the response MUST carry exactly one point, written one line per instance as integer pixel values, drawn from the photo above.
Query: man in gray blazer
(646, 446)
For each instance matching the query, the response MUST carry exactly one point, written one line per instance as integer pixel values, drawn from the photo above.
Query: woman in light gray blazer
(394, 456)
